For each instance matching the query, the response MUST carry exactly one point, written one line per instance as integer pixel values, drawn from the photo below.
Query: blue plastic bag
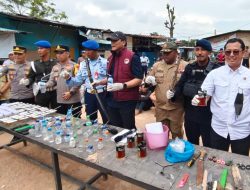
(175, 157)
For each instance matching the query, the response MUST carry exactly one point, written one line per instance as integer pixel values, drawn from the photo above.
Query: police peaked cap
(43, 44)
(90, 44)
(61, 48)
(19, 49)
(205, 44)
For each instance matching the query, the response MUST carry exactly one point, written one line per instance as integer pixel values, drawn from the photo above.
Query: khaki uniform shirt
(6, 94)
(15, 73)
(55, 79)
(164, 75)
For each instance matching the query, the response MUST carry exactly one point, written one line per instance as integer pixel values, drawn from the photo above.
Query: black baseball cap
(117, 36)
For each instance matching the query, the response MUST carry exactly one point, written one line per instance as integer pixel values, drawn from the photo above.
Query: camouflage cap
(168, 47)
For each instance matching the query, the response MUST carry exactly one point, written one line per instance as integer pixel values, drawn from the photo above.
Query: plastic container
(175, 157)
(160, 140)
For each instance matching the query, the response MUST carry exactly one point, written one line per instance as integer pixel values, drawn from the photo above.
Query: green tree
(34, 8)
(169, 24)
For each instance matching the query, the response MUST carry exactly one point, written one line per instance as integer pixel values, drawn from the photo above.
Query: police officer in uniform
(16, 71)
(197, 119)
(163, 76)
(40, 71)
(98, 71)
(66, 97)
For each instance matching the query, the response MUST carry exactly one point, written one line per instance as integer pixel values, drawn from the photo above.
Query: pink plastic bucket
(160, 140)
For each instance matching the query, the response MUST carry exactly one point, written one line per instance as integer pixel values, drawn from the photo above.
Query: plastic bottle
(110, 80)
(90, 149)
(50, 135)
(44, 130)
(67, 138)
(69, 129)
(38, 129)
(72, 142)
(100, 144)
(58, 139)
(88, 121)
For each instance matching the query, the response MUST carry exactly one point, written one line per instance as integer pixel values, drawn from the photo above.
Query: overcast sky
(194, 19)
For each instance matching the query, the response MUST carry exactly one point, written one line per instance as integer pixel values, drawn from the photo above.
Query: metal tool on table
(200, 168)
(204, 182)
(163, 167)
(195, 157)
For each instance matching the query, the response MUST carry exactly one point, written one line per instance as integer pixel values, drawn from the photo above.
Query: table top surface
(140, 171)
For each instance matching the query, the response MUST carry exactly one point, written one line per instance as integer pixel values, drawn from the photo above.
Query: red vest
(122, 73)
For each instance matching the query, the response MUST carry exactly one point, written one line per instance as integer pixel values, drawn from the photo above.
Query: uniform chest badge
(126, 61)
(96, 75)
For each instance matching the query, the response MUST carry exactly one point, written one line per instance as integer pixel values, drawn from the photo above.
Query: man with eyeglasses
(229, 89)
(163, 74)
(40, 72)
(15, 73)
(197, 120)
(66, 97)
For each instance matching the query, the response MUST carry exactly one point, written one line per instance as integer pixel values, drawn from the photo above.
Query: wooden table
(139, 171)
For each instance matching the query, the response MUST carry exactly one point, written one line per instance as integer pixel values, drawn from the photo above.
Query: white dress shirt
(223, 84)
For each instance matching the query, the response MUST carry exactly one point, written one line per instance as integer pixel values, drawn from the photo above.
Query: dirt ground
(17, 173)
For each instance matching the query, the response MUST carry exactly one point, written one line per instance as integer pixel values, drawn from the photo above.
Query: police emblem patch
(126, 61)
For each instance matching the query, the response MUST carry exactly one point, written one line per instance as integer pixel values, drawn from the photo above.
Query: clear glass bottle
(58, 139)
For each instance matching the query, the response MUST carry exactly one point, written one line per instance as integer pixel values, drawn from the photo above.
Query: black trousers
(47, 99)
(123, 117)
(64, 108)
(27, 100)
(93, 105)
(240, 146)
(144, 70)
(194, 130)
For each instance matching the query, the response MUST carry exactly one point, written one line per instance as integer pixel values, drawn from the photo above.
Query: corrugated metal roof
(11, 30)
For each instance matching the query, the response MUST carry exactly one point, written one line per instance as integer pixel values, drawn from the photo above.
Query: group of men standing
(176, 82)
(224, 118)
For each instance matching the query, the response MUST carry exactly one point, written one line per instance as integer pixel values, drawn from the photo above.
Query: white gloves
(65, 74)
(35, 88)
(115, 87)
(24, 81)
(195, 101)
(169, 94)
(150, 80)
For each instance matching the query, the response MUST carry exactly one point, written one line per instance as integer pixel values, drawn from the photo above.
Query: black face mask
(238, 103)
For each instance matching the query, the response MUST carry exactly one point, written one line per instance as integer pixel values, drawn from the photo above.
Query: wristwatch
(125, 86)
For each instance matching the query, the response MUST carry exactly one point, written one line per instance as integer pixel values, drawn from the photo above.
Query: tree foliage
(170, 22)
(35, 8)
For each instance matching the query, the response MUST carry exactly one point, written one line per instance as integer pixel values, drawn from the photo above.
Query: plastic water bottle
(69, 127)
(67, 138)
(50, 135)
(38, 129)
(72, 142)
(100, 144)
(90, 149)
(110, 80)
(69, 114)
(88, 121)
(44, 129)
(58, 139)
